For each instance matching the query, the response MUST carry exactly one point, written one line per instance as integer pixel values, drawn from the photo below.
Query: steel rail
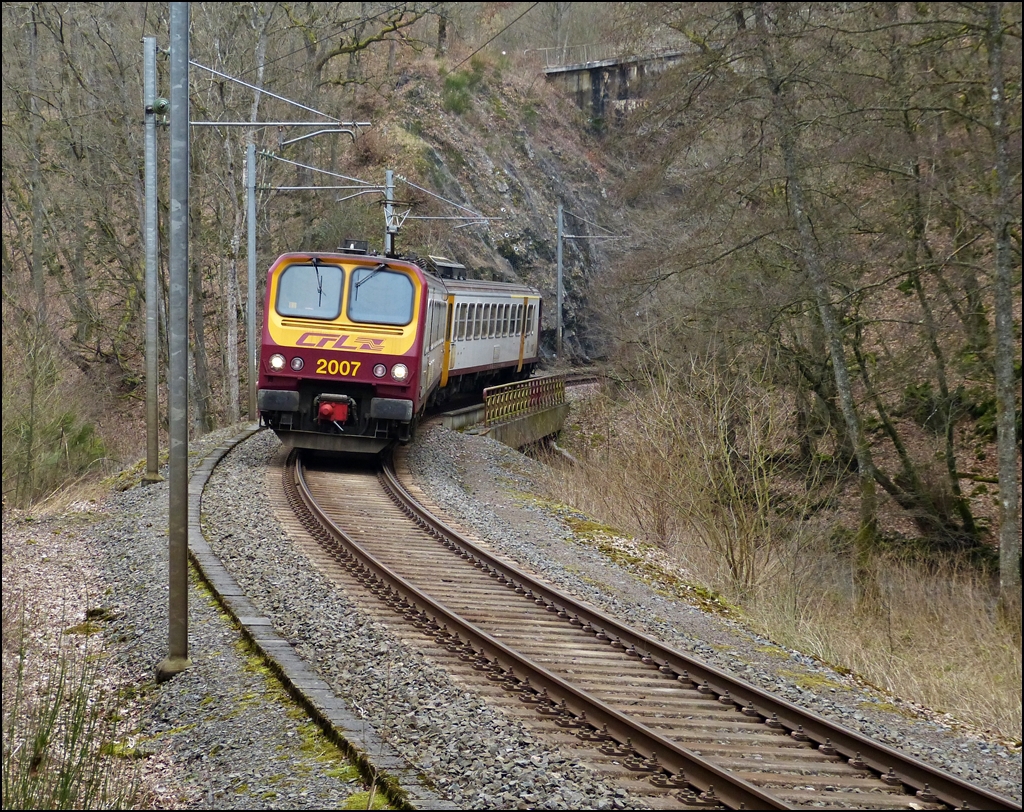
(895, 767)
(574, 707)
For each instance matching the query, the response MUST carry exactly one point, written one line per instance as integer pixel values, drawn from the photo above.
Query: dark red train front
(343, 365)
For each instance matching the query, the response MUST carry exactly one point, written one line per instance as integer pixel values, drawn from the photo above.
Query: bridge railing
(509, 400)
(574, 54)
(560, 57)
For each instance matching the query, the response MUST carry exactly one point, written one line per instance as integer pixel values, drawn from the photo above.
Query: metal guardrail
(574, 54)
(564, 56)
(521, 398)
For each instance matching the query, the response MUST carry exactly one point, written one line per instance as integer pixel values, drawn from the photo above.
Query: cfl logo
(323, 341)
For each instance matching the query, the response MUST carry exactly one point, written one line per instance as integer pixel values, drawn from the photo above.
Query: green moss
(86, 628)
(314, 743)
(812, 682)
(774, 651)
(345, 772)
(100, 613)
(603, 538)
(585, 528)
(890, 708)
(131, 476)
(361, 800)
(174, 730)
(121, 749)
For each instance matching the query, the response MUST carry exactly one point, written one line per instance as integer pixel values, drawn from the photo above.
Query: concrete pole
(250, 315)
(558, 284)
(152, 268)
(177, 659)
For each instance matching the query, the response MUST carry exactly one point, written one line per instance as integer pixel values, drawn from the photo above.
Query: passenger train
(356, 345)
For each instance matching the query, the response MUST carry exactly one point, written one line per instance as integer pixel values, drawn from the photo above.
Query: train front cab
(342, 343)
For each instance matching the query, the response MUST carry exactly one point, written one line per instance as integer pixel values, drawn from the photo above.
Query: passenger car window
(310, 291)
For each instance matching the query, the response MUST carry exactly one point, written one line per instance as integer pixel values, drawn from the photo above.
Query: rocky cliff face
(501, 143)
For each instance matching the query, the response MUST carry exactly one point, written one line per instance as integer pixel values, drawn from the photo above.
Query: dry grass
(62, 729)
(664, 467)
(930, 634)
(66, 702)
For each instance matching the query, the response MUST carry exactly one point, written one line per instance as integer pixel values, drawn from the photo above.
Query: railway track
(688, 733)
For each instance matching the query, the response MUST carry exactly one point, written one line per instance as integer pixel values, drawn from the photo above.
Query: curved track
(702, 736)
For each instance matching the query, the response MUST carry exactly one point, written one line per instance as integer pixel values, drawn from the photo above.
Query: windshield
(310, 291)
(380, 296)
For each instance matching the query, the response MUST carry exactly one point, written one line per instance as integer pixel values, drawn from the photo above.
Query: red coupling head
(337, 412)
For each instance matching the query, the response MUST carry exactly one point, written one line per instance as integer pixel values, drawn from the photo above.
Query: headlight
(400, 372)
(296, 363)
(379, 370)
(277, 362)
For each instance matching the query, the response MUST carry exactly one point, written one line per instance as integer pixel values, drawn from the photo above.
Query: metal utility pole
(177, 659)
(558, 308)
(150, 104)
(250, 326)
(390, 224)
(334, 126)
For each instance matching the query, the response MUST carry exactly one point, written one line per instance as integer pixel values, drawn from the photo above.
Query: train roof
(457, 283)
(482, 286)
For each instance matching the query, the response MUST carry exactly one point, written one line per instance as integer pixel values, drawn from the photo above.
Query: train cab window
(379, 296)
(310, 291)
(529, 320)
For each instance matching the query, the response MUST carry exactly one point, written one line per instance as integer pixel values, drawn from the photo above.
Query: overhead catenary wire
(316, 169)
(444, 200)
(334, 119)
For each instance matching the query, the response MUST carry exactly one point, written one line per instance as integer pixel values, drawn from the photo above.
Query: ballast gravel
(223, 735)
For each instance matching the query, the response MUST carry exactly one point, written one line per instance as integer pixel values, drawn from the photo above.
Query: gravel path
(224, 735)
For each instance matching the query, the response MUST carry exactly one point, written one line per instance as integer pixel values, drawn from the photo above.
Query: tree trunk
(38, 212)
(812, 265)
(442, 31)
(202, 398)
(918, 254)
(1006, 387)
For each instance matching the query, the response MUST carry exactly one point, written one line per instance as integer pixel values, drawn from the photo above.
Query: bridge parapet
(516, 414)
(603, 84)
(521, 398)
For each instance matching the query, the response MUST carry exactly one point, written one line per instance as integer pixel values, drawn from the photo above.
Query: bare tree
(1006, 213)
(784, 120)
